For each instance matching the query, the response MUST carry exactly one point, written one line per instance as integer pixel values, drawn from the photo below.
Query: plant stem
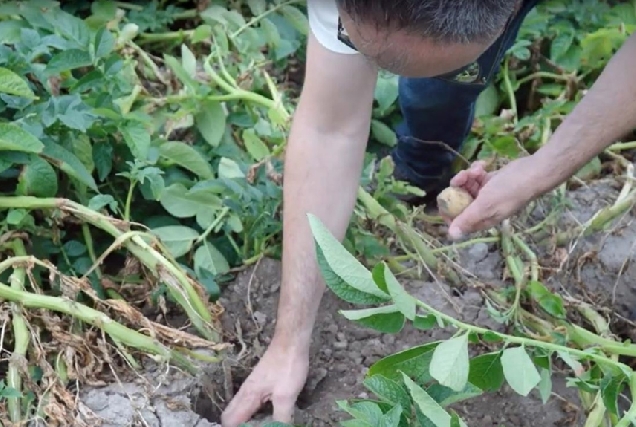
(622, 146)
(509, 90)
(20, 336)
(93, 317)
(180, 286)
(528, 342)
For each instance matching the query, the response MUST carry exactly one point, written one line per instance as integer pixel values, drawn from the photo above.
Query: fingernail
(455, 232)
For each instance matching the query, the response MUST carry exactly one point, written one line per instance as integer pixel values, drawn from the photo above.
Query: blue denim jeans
(439, 111)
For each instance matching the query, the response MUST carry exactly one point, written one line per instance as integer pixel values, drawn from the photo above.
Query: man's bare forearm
(321, 177)
(606, 113)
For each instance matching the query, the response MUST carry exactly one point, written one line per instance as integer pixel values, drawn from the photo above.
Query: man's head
(424, 37)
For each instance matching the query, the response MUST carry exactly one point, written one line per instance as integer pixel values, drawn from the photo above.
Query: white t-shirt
(323, 22)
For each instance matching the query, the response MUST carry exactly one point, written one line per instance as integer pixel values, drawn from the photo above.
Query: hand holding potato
(496, 196)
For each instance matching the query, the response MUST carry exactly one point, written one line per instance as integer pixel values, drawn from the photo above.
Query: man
(446, 51)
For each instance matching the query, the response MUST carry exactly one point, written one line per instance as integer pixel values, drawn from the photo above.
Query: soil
(598, 268)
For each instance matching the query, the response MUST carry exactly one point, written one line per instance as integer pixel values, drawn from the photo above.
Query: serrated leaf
(404, 301)
(187, 157)
(450, 364)
(210, 121)
(388, 390)
(177, 238)
(343, 264)
(486, 372)
(69, 163)
(207, 257)
(66, 60)
(38, 178)
(561, 44)
(387, 319)
(13, 84)
(339, 287)
(519, 371)
(137, 139)
(14, 138)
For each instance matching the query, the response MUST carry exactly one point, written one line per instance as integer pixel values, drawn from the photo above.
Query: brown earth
(597, 269)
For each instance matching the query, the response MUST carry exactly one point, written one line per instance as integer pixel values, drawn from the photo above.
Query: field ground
(598, 267)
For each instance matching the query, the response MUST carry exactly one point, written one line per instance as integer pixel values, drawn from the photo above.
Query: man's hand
(498, 195)
(278, 377)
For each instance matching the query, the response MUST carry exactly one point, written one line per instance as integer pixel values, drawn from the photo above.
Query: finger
(474, 218)
(242, 407)
(460, 179)
(284, 409)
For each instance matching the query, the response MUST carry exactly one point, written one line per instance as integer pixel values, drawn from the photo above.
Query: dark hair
(444, 21)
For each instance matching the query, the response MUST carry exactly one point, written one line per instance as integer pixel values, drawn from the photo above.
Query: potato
(452, 201)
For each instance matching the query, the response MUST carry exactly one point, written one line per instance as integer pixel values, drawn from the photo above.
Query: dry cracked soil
(598, 267)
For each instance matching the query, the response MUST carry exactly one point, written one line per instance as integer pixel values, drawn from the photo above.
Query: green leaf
(175, 65)
(611, 387)
(14, 138)
(388, 390)
(66, 60)
(450, 364)
(382, 133)
(590, 170)
(404, 301)
(188, 61)
(296, 18)
(181, 203)
(427, 405)
(66, 161)
(392, 418)
(229, 169)
(519, 371)
(254, 145)
(446, 396)
(545, 385)
(487, 101)
(426, 322)
(343, 264)
(187, 157)
(13, 84)
(378, 277)
(486, 372)
(207, 257)
(257, 7)
(104, 42)
(561, 44)
(210, 121)
(38, 178)
(83, 149)
(339, 287)
(551, 303)
(177, 238)
(137, 139)
(414, 362)
(387, 319)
